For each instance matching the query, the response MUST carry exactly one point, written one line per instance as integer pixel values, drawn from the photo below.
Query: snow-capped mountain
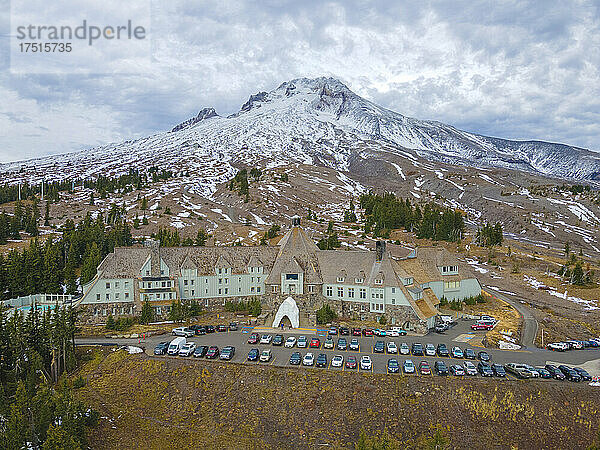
(315, 121)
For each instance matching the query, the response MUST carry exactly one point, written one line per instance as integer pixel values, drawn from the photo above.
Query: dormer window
(340, 279)
(359, 280)
(378, 281)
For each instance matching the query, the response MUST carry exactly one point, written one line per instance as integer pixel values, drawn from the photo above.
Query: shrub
(325, 314)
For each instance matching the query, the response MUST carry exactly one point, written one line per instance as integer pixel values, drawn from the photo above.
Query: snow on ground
(476, 266)
(497, 289)
(577, 209)
(588, 304)
(399, 169)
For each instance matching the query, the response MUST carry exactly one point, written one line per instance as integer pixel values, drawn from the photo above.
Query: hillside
(174, 403)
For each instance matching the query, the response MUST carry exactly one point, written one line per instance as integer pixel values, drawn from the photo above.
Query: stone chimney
(296, 221)
(379, 250)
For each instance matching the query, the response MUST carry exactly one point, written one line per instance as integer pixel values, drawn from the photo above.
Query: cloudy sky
(522, 70)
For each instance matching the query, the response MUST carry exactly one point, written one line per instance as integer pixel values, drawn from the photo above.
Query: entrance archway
(289, 309)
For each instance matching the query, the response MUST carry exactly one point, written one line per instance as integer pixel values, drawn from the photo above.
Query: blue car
(253, 354)
(393, 366)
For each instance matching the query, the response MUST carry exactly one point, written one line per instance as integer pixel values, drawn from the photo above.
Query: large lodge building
(403, 284)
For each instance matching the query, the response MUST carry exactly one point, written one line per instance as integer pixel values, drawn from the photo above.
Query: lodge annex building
(404, 284)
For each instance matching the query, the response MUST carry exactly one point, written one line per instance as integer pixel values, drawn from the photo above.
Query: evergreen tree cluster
(171, 238)
(490, 235)
(10, 192)
(48, 267)
(25, 218)
(574, 273)
(181, 311)
(325, 314)
(133, 180)
(330, 241)
(431, 221)
(34, 351)
(349, 214)
(253, 307)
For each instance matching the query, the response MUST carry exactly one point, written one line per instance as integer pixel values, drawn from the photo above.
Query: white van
(176, 345)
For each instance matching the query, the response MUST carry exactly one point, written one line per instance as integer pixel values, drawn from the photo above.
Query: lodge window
(363, 293)
(340, 292)
(359, 280)
(329, 291)
(98, 297)
(451, 285)
(107, 285)
(340, 279)
(351, 292)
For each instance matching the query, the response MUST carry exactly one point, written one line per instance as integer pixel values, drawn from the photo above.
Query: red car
(424, 368)
(355, 331)
(253, 339)
(351, 362)
(481, 326)
(368, 332)
(315, 343)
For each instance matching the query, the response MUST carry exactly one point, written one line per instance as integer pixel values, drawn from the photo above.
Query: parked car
(440, 368)
(429, 350)
(278, 340)
(212, 352)
(379, 332)
(356, 332)
(266, 355)
(290, 342)
(400, 331)
(322, 360)
(342, 344)
(227, 353)
(544, 373)
(585, 376)
(533, 370)
(442, 351)
(187, 349)
(209, 329)
(569, 373)
(575, 345)
(558, 346)
(482, 326)
(484, 369)
(424, 368)
(161, 348)
(308, 360)
(408, 366)
(233, 326)
(519, 370)
(441, 328)
(198, 330)
(295, 359)
(302, 342)
(470, 368)
(222, 328)
(344, 331)
(483, 356)
(379, 347)
(337, 361)
(367, 332)
(457, 352)
(457, 370)
(182, 331)
(354, 345)
(315, 343)
(175, 345)
(253, 339)
(393, 366)
(200, 351)
(404, 349)
(333, 331)
(266, 339)
(417, 349)
(365, 362)
(253, 354)
(498, 370)
(470, 353)
(351, 362)
(555, 372)
(329, 343)
(392, 333)
(391, 347)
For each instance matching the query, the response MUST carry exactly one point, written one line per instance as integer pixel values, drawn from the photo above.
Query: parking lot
(457, 336)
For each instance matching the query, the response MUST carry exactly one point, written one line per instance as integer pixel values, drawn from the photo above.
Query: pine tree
(91, 262)
(18, 427)
(59, 439)
(147, 314)
(47, 214)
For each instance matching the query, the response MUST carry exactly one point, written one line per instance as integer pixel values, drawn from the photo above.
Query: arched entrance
(288, 309)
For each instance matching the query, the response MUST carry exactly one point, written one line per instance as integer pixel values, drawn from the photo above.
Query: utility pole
(42, 189)
(542, 338)
(19, 191)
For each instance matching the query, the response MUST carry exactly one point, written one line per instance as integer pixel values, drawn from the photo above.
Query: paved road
(530, 325)
(457, 336)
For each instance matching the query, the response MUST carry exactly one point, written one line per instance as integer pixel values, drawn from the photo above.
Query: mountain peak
(205, 113)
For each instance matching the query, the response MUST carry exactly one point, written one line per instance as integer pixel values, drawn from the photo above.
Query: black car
(344, 331)
(209, 328)
(483, 356)
(543, 373)
(161, 348)
(200, 351)
(221, 328)
(342, 344)
(440, 368)
(556, 374)
(585, 376)
(321, 360)
(253, 354)
(417, 349)
(569, 373)
(484, 369)
(198, 330)
(227, 353)
(278, 340)
(233, 326)
(379, 347)
(333, 331)
(393, 366)
(442, 350)
(295, 359)
(469, 353)
(498, 370)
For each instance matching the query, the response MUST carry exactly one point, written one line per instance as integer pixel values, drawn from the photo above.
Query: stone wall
(92, 314)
